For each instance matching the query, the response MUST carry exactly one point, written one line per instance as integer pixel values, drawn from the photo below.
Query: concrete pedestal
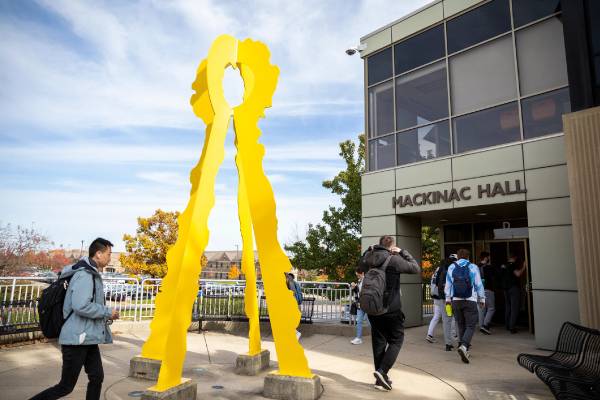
(252, 365)
(186, 390)
(144, 368)
(292, 387)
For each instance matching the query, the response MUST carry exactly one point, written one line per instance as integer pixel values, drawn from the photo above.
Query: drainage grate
(218, 387)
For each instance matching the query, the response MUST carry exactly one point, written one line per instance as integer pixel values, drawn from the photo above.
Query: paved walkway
(423, 370)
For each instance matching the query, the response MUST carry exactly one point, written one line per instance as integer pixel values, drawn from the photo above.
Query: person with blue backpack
(84, 323)
(464, 289)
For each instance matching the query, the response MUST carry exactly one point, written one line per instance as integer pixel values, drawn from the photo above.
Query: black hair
(484, 254)
(291, 275)
(97, 245)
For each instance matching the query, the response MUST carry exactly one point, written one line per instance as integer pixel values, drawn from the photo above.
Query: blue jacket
(87, 324)
(478, 291)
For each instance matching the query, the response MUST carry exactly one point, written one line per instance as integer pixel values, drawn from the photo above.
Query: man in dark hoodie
(85, 326)
(387, 330)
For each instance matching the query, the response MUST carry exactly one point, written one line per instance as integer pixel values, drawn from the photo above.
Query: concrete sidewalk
(423, 370)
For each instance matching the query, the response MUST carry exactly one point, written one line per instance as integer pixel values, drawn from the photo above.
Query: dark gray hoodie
(402, 263)
(87, 322)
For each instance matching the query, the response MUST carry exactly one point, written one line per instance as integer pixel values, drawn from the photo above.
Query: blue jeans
(360, 317)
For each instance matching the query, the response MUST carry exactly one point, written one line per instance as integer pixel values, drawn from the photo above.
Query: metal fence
(216, 300)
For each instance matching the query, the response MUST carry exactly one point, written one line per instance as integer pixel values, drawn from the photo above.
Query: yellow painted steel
(257, 214)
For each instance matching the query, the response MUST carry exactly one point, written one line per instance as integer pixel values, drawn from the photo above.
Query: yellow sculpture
(256, 208)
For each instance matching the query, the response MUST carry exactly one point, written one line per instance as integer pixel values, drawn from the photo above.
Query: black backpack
(50, 305)
(373, 295)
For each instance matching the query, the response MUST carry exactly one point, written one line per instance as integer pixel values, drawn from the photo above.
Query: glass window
(593, 16)
(484, 22)
(372, 148)
(486, 128)
(423, 143)
(385, 151)
(421, 96)
(526, 11)
(380, 66)
(541, 57)
(420, 49)
(457, 233)
(483, 76)
(542, 114)
(381, 109)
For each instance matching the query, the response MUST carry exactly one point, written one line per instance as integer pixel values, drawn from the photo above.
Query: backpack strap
(387, 262)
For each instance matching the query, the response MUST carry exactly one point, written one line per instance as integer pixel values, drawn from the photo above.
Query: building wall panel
(552, 258)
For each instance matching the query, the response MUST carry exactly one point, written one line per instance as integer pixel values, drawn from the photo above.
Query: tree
(147, 250)
(333, 245)
(18, 248)
(234, 272)
(430, 251)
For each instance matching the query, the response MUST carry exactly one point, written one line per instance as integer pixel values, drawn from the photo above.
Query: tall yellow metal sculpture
(256, 208)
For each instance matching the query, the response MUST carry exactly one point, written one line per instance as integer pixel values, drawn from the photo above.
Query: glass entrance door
(500, 251)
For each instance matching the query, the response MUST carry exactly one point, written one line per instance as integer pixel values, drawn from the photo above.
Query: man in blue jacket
(86, 324)
(463, 290)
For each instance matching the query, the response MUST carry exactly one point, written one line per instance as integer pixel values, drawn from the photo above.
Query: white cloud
(144, 56)
(110, 211)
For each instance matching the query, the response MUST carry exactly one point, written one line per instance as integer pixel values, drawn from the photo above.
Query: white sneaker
(298, 334)
(356, 340)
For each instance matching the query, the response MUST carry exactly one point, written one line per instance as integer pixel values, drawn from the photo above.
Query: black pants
(511, 306)
(74, 357)
(387, 336)
(466, 316)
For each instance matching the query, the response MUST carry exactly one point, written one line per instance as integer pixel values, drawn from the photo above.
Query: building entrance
(502, 239)
(500, 252)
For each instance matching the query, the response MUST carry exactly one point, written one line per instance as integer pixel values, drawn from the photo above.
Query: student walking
(361, 316)
(86, 324)
(511, 283)
(463, 290)
(437, 286)
(489, 276)
(294, 286)
(380, 299)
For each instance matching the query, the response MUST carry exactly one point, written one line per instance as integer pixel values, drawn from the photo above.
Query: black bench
(569, 346)
(573, 370)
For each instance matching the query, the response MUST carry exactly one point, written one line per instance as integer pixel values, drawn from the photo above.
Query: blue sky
(96, 127)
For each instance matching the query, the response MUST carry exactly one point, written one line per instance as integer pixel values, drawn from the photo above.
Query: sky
(96, 127)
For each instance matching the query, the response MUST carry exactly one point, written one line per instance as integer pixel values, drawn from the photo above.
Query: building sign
(464, 193)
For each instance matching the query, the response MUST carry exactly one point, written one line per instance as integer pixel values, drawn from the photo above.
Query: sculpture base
(186, 390)
(144, 368)
(292, 387)
(252, 365)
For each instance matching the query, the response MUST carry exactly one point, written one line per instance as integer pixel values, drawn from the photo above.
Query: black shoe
(485, 330)
(513, 331)
(464, 354)
(380, 381)
(449, 347)
(387, 379)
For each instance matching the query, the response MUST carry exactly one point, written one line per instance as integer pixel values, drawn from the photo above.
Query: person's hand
(395, 250)
(115, 315)
(448, 302)
(482, 303)
(353, 285)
